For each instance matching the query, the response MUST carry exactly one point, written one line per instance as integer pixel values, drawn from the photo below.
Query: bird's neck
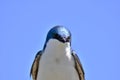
(57, 47)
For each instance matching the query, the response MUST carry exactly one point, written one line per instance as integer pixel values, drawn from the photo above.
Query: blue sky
(94, 24)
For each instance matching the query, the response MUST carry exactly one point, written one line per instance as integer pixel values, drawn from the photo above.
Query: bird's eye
(68, 39)
(56, 35)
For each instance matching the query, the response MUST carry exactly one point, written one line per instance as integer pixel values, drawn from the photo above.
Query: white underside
(57, 62)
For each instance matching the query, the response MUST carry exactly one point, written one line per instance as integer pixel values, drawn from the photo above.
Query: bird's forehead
(61, 31)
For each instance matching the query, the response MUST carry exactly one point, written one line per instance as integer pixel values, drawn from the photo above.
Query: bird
(57, 60)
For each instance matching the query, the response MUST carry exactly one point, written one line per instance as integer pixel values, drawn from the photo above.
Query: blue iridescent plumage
(60, 33)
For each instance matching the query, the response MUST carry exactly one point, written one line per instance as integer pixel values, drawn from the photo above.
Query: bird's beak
(66, 39)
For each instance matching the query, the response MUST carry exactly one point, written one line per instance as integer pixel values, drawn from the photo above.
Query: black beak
(65, 39)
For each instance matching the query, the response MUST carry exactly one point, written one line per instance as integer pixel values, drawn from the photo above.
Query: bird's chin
(64, 41)
(52, 44)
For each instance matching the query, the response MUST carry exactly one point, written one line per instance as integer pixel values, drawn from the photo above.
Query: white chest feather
(57, 62)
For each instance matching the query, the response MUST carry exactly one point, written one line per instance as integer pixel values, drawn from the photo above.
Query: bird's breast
(57, 68)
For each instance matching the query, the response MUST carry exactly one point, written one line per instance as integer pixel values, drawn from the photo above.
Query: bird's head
(59, 33)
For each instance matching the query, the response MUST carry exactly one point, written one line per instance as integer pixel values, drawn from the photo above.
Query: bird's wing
(78, 66)
(35, 65)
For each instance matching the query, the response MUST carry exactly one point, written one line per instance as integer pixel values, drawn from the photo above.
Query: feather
(35, 65)
(78, 66)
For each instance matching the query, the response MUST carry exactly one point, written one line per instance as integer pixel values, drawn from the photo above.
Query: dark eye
(56, 35)
(68, 39)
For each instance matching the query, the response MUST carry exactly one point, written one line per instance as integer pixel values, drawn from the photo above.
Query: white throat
(55, 46)
(56, 62)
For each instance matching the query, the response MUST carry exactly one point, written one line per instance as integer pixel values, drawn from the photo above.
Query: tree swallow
(57, 60)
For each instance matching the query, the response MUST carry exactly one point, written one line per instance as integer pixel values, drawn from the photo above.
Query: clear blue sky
(94, 24)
